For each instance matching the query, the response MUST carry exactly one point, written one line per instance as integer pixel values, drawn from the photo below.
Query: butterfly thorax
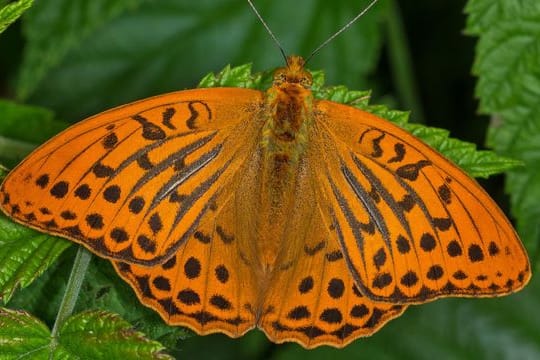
(284, 139)
(288, 105)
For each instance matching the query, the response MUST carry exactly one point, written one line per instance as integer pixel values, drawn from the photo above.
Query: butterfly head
(293, 73)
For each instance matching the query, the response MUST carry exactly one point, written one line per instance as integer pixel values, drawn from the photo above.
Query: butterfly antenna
(269, 31)
(340, 30)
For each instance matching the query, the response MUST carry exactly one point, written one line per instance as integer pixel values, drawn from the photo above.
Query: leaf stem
(401, 63)
(80, 265)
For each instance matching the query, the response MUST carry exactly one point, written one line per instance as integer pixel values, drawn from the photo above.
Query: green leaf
(478, 163)
(53, 28)
(28, 123)
(88, 335)
(22, 336)
(83, 58)
(508, 68)
(22, 128)
(238, 76)
(11, 12)
(24, 255)
(104, 289)
(51, 285)
(3, 172)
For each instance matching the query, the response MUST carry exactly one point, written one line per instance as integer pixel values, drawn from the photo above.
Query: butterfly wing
(412, 225)
(133, 183)
(312, 298)
(208, 284)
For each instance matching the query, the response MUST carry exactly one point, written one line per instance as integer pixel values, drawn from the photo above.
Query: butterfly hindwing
(322, 304)
(133, 182)
(411, 224)
(208, 284)
(311, 296)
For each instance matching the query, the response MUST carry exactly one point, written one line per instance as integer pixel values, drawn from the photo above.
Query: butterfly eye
(280, 78)
(306, 81)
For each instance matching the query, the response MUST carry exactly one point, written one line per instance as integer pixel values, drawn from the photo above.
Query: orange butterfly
(227, 209)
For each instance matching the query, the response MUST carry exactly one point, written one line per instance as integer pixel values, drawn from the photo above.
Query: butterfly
(227, 209)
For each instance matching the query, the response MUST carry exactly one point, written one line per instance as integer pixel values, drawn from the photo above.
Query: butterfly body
(287, 113)
(227, 209)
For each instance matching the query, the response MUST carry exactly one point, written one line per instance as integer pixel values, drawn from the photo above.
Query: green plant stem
(80, 265)
(401, 63)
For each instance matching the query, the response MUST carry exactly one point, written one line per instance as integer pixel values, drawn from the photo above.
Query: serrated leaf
(103, 335)
(478, 163)
(24, 255)
(88, 335)
(11, 12)
(508, 68)
(22, 336)
(102, 289)
(51, 285)
(79, 62)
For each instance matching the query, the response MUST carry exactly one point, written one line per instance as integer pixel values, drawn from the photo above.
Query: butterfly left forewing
(411, 224)
(133, 182)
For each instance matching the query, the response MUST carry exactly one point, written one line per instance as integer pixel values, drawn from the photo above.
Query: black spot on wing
(411, 171)
(445, 194)
(475, 253)
(306, 284)
(191, 122)
(442, 224)
(42, 181)
(102, 171)
(150, 130)
(399, 149)
(314, 249)
(144, 162)
(112, 193)
(377, 149)
(299, 313)
(334, 256)
(83, 192)
(109, 141)
(60, 189)
(167, 117)
(226, 238)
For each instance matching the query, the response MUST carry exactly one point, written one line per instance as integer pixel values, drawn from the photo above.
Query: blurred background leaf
(76, 58)
(508, 69)
(128, 49)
